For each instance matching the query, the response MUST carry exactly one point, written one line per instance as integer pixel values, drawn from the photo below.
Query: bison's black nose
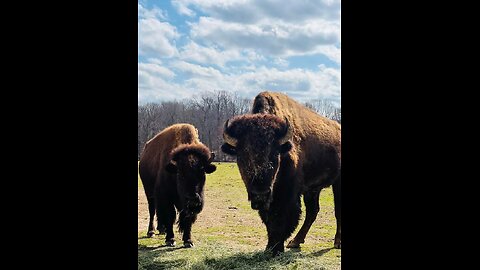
(194, 203)
(260, 198)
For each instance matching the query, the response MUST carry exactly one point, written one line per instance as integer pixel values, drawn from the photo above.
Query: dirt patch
(227, 233)
(216, 212)
(143, 215)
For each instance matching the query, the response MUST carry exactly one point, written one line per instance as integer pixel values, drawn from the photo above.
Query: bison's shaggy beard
(185, 220)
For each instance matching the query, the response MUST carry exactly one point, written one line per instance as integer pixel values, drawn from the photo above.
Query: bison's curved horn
(288, 133)
(228, 139)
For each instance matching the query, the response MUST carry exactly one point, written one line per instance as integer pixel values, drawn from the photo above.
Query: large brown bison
(284, 150)
(172, 168)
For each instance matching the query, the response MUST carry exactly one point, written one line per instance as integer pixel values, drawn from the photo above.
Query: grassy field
(230, 235)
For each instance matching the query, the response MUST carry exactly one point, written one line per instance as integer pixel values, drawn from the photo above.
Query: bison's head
(258, 141)
(190, 163)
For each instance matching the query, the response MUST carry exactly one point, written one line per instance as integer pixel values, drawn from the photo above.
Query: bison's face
(259, 167)
(190, 171)
(259, 152)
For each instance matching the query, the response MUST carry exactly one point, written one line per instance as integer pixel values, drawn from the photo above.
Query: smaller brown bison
(172, 168)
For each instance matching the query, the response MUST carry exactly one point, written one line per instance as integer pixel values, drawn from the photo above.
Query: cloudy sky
(247, 46)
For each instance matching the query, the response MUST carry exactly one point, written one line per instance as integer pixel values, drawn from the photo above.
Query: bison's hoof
(188, 244)
(294, 244)
(274, 252)
(150, 234)
(170, 243)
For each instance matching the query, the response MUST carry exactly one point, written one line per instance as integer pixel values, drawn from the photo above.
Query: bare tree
(207, 111)
(148, 123)
(337, 116)
(326, 108)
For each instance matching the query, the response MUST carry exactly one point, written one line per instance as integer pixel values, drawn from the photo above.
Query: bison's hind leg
(338, 213)
(151, 210)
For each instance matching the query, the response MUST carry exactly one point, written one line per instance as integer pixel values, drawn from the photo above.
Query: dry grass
(230, 235)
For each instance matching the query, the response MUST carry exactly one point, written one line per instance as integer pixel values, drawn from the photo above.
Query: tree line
(208, 112)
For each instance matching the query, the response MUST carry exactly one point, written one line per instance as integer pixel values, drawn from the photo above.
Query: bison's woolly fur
(199, 150)
(312, 163)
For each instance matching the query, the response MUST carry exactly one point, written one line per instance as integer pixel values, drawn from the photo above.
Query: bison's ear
(210, 168)
(212, 157)
(171, 168)
(228, 149)
(284, 148)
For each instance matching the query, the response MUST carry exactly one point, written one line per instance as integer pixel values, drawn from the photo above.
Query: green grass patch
(230, 235)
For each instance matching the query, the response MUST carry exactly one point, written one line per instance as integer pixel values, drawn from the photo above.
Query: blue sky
(186, 47)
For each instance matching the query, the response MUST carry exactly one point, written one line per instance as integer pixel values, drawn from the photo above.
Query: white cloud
(235, 45)
(267, 37)
(155, 12)
(154, 84)
(252, 11)
(181, 7)
(156, 38)
(300, 84)
(155, 61)
(269, 27)
(205, 55)
(331, 52)
(253, 56)
(192, 70)
(155, 70)
(280, 62)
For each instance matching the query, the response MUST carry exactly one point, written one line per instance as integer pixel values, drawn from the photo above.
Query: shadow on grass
(157, 235)
(154, 265)
(314, 254)
(160, 248)
(253, 260)
(161, 257)
(321, 252)
(148, 257)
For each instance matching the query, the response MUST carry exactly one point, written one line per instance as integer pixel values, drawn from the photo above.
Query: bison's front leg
(276, 232)
(280, 225)
(185, 226)
(166, 215)
(275, 241)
